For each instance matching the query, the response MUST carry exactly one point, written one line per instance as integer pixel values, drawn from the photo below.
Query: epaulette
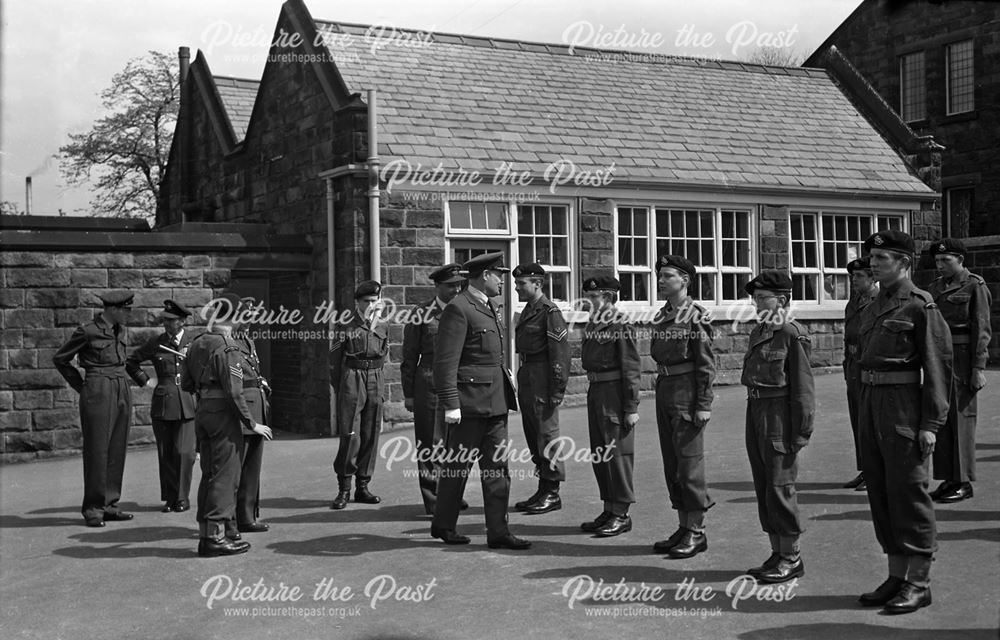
(978, 278)
(801, 334)
(924, 297)
(553, 308)
(232, 348)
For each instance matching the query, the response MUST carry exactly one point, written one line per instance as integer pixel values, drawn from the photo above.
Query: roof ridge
(355, 28)
(235, 78)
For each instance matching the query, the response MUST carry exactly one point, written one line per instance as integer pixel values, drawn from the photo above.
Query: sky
(56, 56)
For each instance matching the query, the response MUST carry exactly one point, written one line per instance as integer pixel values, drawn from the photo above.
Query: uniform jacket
(680, 336)
(214, 362)
(254, 384)
(170, 402)
(965, 303)
(778, 357)
(418, 343)
(852, 333)
(903, 330)
(97, 346)
(469, 369)
(541, 332)
(355, 339)
(610, 345)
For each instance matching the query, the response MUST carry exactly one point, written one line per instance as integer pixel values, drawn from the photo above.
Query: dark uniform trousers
(902, 333)
(220, 438)
(852, 370)
(427, 427)
(610, 357)
(252, 451)
(540, 420)
(359, 405)
(176, 449)
(779, 422)
(105, 409)
(682, 444)
(965, 303)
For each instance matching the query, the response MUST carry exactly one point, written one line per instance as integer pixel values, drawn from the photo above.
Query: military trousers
(540, 420)
(220, 438)
(359, 420)
(248, 493)
(612, 446)
(105, 418)
(682, 444)
(895, 472)
(955, 451)
(427, 433)
(852, 375)
(175, 453)
(773, 465)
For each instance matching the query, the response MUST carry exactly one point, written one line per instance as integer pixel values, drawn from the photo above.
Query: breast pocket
(899, 333)
(487, 340)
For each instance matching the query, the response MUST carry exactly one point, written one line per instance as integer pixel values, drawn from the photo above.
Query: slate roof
(238, 95)
(472, 103)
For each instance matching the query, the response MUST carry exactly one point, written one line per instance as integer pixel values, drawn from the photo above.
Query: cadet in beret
(357, 357)
(964, 301)
(781, 404)
(475, 393)
(902, 334)
(105, 405)
(542, 341)
(864, 288)
(611, 359)
(257, 393)
(681, 346)
(172, 408)
(213, 371)
(416, 372)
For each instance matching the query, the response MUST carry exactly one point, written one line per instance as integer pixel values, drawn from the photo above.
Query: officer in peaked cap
(905, 359)
(610, 357)
(964, 301)
(105, 404)
(172, 409)
(781, 406)
(542, 342)
(681, 346)
(475, 393)
(357, 359)
(864, 288)
(417, 376)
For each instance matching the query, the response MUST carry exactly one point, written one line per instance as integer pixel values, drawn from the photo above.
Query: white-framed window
(717, 240)
(912, 87)
(543, 236)
(960, 81)
(478, 218)
(821, 243)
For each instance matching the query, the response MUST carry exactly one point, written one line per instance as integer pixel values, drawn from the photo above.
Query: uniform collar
(958, 280)
(477, 295)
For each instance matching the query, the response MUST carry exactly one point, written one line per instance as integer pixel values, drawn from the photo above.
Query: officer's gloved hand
(631, 419)
(453, 416)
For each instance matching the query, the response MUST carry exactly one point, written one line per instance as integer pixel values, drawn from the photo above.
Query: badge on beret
(878, 240)
(941, 247)
(592, 284)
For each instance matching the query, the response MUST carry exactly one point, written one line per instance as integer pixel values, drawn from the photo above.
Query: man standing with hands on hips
(542, 341)
(475, 392)
(903, 335)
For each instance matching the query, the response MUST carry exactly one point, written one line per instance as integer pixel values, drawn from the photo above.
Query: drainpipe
(184, 63)
(374, 230)
(331, 281)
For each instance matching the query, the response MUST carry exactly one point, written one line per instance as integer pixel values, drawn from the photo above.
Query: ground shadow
(17, 522)
(987, 446)
(293, 503)
(355, 544)
(124, 506)
(114, 534)
(799, 486)
(815, 498)
(862, 631)
(989, 535)
(85, 552)
(942, 515)
(358, 513)
(989, 459)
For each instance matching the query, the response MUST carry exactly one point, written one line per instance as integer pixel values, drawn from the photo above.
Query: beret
(367, 288)
(890, 240)
(601, 283)
(677, 262)
(859, 264)
(117, 298)
(487, 261)
(530, 269)
(173, 309)
(770, 280)
(948, 246)
(448, 274)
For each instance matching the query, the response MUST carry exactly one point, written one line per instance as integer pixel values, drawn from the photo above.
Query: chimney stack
(27, 196)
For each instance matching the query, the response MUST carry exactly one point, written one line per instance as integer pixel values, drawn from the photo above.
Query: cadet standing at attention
(172, 408)
(864, 288)
(681, 345)
(542, 341)
(902, 334)
(781, 405)
(105, 405)
(964, 301)
(212, 370)
(611, 359)
(416, 373)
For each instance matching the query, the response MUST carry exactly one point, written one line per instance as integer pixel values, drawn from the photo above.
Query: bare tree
(776, 57)
(10, 208)
(125, 153)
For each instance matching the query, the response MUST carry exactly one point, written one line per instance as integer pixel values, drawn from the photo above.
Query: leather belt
(675, 369)
(106, 373)
(604, 376)
(961, 338)
(758, 393)
(212, 392)
(878, 378)
(534, 357)
(364, 363)
(251, 384)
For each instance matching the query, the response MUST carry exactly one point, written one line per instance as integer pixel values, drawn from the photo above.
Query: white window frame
(947, 76)
(571, 242)
(485, 233)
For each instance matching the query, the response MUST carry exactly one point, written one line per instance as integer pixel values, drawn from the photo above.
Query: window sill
(956, 118)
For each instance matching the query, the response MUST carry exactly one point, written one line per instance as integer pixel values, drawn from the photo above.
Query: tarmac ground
(374, 572)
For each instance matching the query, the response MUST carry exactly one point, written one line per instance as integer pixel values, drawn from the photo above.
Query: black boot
(343, 494)
(549, 500)
(363, 495)
(524, 504)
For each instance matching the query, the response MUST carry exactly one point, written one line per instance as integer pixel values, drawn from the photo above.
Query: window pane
(560, 252)
(743, 253)
(497, 215)
(677, 224)
(559, 286)
(559, 222)
(639, 251)
(706, 287)
(542, 220)
(743, 225)
(625, 251)
(728, 252)
(707, 254)
(707, 222)
(809, 227)
(640, 222)
(542, 253)
(625, 222)
(524, 250)
(478, 215)
(837, 287)
(525, 223)
(728, 224)
(961, 83)
(830, 254)
(459, 213)
(804, 287)
(913, 87)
